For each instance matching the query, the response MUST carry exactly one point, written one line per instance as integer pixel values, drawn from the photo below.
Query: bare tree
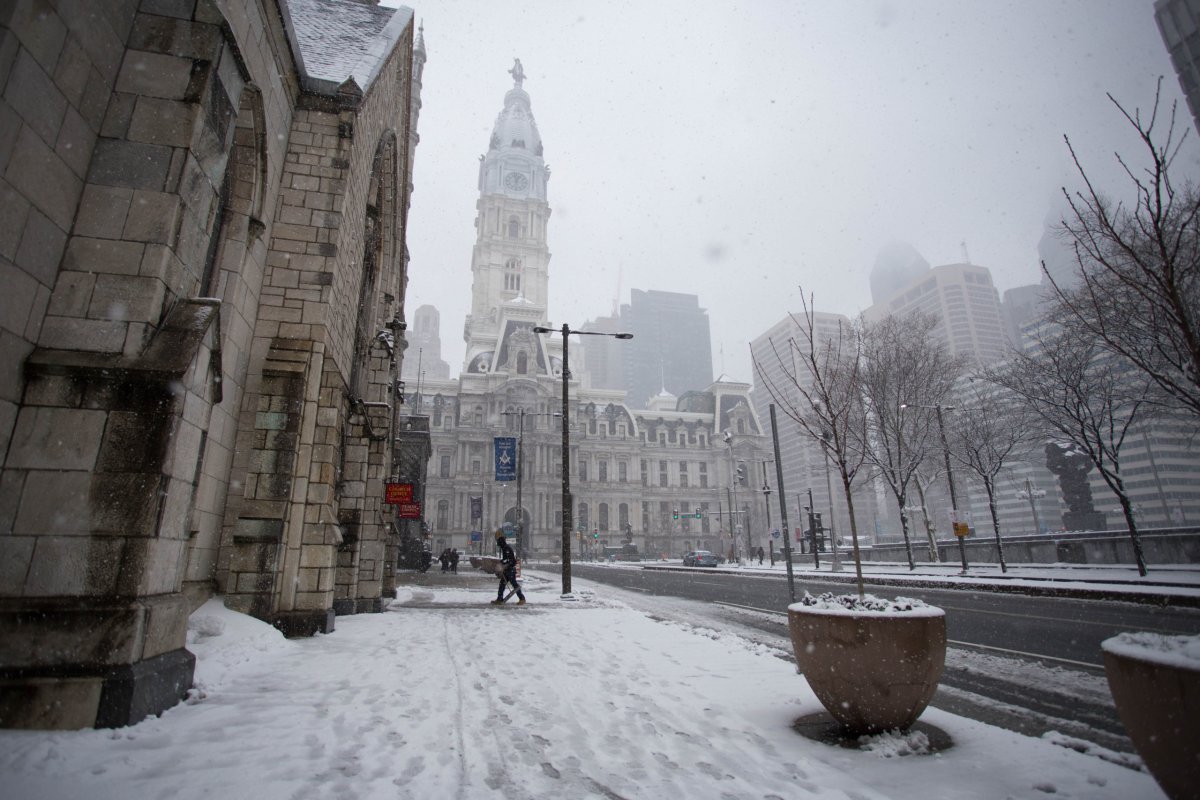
(986, 435)
(925, 476)
(1087, 395)
(1139, 265)
(820, 391)
(905, 366)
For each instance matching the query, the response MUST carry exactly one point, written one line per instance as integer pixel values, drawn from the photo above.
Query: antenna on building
(617, 297)
(965, 254)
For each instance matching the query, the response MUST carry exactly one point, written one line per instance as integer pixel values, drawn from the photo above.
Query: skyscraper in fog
(1179, 25)
(965, 302)
(424, 356)
(671, 347)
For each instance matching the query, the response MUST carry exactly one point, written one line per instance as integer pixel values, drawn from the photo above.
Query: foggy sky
(738, 151)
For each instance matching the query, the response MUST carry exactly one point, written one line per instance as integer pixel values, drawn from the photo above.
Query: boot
(498, 601)
(521, 602)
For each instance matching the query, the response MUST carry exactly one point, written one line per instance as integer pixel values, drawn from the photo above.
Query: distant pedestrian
(454, 561)
(445, 559)
(509, 575)
(760, 556)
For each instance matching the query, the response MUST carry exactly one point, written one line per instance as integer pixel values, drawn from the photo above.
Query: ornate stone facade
(203, 241)
(631, 470)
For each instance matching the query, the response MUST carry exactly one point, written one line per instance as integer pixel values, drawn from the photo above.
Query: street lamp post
(566, 447)
(1032, 494)
(520, 414)
(938, 408)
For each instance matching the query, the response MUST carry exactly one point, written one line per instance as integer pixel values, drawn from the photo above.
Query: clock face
(516, 181)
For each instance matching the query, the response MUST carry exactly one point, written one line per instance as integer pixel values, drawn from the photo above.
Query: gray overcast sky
(738, 151)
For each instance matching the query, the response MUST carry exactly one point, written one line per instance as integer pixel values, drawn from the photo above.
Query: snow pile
(1181, 652)
(893, 744)
(867, 604)
(226, 642)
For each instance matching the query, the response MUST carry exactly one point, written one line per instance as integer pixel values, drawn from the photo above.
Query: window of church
(645, 516)
(704, 522)
(603, 516)
(443, 515)
(602, 468)
(662, 473)
(476, 467)
(583, 470)
(622, 471)
(444, 467)
(514, 228)
(645, 474)
(623, 515)
(703, 475)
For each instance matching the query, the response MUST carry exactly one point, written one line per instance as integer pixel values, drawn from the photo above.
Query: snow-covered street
(443, 696)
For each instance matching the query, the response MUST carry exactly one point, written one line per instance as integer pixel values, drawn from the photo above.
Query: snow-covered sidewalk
(443, 696)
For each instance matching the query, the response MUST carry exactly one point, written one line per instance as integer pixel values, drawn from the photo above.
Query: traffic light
(675, 514)
(741, 474)
(596, 534)
(697, 512)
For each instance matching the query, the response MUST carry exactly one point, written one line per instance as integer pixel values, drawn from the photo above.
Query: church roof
(336, 40)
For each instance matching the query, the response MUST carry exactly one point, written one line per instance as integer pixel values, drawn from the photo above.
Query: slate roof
(339, 39)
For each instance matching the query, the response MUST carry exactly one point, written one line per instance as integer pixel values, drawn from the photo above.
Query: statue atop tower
(518, 73)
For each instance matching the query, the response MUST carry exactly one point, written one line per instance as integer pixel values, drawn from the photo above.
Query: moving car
(699, 558)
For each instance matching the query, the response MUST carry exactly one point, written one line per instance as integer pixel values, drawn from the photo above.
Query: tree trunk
(1134, 536)
(901, 501)
(991, 493)
(853, 528)
(930, 533)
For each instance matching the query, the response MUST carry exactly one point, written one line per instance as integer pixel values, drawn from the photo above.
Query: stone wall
(182, 412)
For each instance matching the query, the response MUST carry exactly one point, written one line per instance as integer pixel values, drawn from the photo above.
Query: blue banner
(506, 458)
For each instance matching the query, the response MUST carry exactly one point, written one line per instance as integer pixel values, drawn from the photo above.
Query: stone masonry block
(17, 299)
(40, 30)
(76, 140)
(72, 566)
(103, 256)
(41, 248)
(35, 97)
(159, 121)
(154, 217)
(154, 74)
(71, 72)
(56, 438)
(102, 211)
(12, 221)
(135, 165)
(43, 178)
(54, 502)
(127, 298)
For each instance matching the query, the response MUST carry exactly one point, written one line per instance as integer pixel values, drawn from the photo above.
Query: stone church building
(632, 471)
(204, 269)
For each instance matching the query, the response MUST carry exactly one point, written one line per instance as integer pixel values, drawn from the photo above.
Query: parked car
(699, 558)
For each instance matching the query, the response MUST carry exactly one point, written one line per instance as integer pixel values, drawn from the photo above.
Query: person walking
(760, 556)
(445, 559)
(509, 574)
(454, 561)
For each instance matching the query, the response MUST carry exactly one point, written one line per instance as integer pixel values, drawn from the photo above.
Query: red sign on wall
(396, 493)
(410, 511)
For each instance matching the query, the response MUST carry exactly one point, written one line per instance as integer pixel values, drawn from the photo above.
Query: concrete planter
(489, 564)
(873, 671)
(1157, 694)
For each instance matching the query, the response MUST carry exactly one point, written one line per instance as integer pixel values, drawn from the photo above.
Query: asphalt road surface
(1058, 633)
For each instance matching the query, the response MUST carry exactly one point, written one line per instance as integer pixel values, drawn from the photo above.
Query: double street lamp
(566, 447)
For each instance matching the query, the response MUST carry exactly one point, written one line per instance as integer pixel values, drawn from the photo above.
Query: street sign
(476, 536)
(775, 534)
(960, 522)
(410, 510)
(396, 493)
